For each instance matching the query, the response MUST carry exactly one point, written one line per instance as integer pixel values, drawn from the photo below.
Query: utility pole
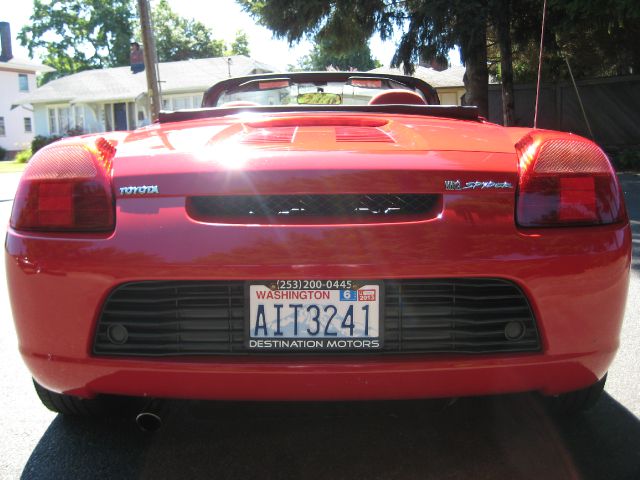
(150, 58)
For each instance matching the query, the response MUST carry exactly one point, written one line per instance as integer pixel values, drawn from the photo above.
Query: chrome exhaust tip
(148, 421)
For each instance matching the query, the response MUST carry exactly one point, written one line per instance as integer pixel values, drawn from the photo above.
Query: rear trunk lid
(312, 154)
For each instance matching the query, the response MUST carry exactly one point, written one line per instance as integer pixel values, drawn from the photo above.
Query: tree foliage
(430, 29)
(324, 55)
(598, 37)
(179, 38)
(240, 45)
(75, 35)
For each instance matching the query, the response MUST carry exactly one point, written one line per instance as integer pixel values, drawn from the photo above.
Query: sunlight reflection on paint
(229, 155)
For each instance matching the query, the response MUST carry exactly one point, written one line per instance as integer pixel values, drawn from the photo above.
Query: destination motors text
(337, 344)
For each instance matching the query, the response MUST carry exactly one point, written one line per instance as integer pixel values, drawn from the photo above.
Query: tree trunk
(502, 15)
(473, 49)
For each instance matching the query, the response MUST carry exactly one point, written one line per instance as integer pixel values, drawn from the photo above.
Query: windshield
(285, 92)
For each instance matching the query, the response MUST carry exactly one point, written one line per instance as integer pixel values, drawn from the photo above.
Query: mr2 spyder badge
(141, 190)
(474, 185)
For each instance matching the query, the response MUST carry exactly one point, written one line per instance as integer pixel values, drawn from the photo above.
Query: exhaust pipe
(150, 418)
(148, 422)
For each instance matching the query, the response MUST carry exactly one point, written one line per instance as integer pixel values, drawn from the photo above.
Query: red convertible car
(318, 236)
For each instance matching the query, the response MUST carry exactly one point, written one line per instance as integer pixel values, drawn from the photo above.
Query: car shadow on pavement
(491, 437)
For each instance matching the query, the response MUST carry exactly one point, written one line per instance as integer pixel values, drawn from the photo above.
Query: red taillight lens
(67, 188)
(565, 181)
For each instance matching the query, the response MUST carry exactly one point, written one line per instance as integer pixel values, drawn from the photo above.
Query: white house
(116, 99)
(17, 81)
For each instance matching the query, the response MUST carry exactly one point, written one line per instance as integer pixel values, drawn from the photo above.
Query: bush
(74, 132)
(3, 152)
(40, 141)
(24, 156)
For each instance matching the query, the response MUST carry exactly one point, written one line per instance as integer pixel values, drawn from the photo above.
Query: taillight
(565, 180)
(67, 188)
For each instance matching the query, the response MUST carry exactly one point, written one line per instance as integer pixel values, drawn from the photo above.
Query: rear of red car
(481, 260)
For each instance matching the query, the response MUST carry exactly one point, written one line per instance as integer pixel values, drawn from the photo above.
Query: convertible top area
(447, 111)
(240, 83)
(213, 106)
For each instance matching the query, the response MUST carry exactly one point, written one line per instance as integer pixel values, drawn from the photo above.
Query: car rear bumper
(576, 281)
(348, 378)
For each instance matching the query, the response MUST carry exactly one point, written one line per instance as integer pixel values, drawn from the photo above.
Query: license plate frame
(318, 344)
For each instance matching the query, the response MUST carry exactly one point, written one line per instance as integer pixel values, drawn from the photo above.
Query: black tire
(571, 403)
(101, 406)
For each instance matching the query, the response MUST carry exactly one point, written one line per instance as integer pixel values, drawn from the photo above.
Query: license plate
(295, 315)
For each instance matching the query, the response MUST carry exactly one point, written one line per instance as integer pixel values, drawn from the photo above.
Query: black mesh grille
(456, 315)
(158, 318)
(325, 206)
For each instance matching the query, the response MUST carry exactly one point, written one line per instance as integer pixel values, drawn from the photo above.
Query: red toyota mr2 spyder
(318, 236)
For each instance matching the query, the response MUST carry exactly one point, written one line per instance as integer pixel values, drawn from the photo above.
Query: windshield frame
(213, 94)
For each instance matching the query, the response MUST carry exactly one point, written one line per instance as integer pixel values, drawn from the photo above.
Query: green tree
(598, 37)
(75, 35)
(240, 46)
(323, 55)
(179, 38)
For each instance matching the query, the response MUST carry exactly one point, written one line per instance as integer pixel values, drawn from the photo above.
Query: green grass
(11, 167)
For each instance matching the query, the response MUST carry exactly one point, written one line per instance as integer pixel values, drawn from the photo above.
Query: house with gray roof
(116, 99)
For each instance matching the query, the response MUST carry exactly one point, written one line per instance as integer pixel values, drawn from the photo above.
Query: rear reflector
(67, 188)
(565, 180)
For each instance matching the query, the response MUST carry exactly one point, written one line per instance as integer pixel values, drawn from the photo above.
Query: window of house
(2, 129)
(180, 103)
(60, 120)
(78, 118)
(23, 82)
(64, 122)
(53, 124)
(27, 125)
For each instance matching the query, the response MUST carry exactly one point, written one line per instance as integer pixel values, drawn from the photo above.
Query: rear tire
(101, 406)
(571, 403)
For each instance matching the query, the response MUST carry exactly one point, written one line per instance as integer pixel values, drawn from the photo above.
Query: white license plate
(288, 315)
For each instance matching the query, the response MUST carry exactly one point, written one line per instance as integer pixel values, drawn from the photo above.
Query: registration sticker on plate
(295, 315)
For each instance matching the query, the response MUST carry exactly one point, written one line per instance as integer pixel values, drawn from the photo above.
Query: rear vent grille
(376, 207)
(460, 315)
(177, 318)
(172, 318)
(269, 135)
(362, 134)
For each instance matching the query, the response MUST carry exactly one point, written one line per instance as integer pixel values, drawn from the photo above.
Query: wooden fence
(612, 107)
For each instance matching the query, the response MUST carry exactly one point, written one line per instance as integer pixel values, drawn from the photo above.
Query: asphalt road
(481, 438)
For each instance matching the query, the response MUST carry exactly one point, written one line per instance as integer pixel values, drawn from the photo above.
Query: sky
(224, 17)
